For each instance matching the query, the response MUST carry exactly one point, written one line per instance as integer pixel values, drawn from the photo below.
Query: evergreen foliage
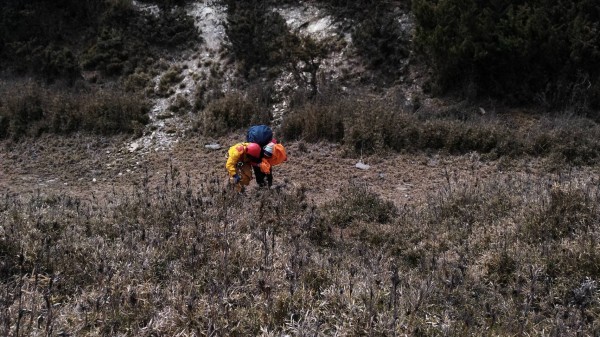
(260, 39)
(57, 39)
(120, 48)
(383, 43)
(38, 36)
(521, 51)
(257, 35)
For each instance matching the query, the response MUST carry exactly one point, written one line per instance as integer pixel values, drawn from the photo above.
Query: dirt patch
(83, 165)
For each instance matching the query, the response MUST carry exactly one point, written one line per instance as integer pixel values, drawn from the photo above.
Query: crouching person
(273, 154)
(240, 159)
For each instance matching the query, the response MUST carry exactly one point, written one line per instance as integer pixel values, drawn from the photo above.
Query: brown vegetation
(96, 240)
(28, 109)
(367, 125)
(509, 255)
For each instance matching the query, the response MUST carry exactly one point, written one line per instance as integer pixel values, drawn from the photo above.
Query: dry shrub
(30, 110)
(314, 122)
(231, 112)
(371, 125)
(357, 203)
(567, 213)
(169, 80)
(180, 105)
(137, 82)
(174, 258)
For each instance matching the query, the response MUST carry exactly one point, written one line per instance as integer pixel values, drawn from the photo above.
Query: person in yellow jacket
(273, 154)
(240, 159)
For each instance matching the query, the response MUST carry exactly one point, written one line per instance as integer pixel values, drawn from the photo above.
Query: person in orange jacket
(240, 158)
(273, 154)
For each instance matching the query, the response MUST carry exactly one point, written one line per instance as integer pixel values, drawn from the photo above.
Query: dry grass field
(97, 241)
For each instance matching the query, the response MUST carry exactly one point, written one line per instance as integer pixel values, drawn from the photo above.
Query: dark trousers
(263, 179)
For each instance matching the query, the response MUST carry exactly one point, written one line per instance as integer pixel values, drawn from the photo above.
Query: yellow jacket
(236, 154)
(278, 157)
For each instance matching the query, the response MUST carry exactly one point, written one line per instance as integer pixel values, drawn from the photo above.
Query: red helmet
(253, 150)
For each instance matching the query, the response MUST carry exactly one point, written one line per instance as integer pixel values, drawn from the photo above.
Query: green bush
(261, 41)
(137, 82)
(361, 9)
(168, 80)
(128, 39)
(167, 3)
(39, 37)
(512, 50)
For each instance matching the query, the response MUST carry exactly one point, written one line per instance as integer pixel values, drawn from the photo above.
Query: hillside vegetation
(538, 51)
(101, 239)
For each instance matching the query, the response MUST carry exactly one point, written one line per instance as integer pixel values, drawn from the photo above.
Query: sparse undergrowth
(55, 41)
(28, 109)
(514, 256)
(371, 125)
(231, 112)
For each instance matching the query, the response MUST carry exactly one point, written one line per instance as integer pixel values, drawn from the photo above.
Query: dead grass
(193, 259)
(375, 125)
(231, 112)
(29, 109)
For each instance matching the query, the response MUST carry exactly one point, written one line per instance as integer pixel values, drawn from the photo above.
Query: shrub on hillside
(128, 39)
(383, 43)
(167, 3)
(56, 39)
(366, 126)
(360, 9)
(512, 50)
(168, 80)
(256, 34)
(39, 36)
(231, 112)
(262, 42)
(30, 110)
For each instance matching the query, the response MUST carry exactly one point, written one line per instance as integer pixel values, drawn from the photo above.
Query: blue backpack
(260, 134)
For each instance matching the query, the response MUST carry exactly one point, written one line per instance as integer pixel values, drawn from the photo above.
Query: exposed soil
(87, 167)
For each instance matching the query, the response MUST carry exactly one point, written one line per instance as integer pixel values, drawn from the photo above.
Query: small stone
(134, 147)
(212, 146)
(362, 166)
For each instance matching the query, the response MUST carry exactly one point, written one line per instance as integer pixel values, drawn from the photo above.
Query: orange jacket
(278, 157)
(236, 154)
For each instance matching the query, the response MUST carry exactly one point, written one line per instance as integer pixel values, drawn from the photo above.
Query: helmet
(253, 150)
(268, 150)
